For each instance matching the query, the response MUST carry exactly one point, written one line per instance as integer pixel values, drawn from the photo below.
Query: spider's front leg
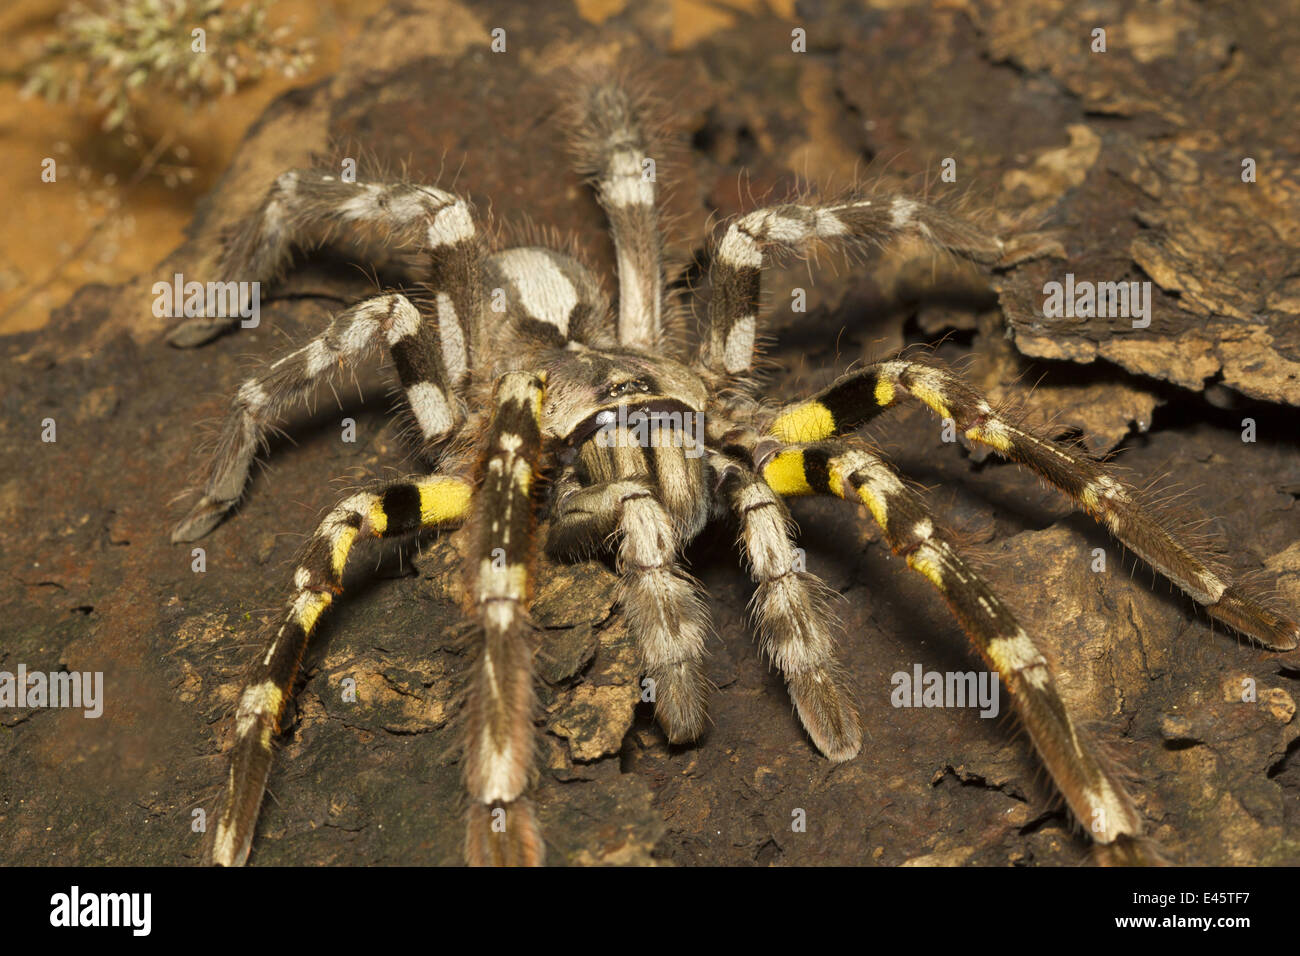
(499, 742)
(396, 509)
(1091, 789)
(857, 398)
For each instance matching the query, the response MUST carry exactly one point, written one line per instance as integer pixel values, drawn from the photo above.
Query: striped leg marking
(612, 146)
(306, 206)
(550, 298)
(261, 400)
(792, 615)
(398, 509)
(857, 398)
(736, 273)
(1091, 790)
(499, 734)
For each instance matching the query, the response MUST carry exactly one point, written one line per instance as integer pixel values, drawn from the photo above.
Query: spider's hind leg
(306, 207)
(433, 358)
(728, 345)
(613, 142)
(350, 336)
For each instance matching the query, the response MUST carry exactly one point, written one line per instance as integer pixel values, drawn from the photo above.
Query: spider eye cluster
(632, 386)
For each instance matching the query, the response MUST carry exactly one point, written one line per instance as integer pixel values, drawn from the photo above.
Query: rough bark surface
(1131, 158)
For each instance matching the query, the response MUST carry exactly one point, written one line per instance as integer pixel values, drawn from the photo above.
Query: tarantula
(515, 371)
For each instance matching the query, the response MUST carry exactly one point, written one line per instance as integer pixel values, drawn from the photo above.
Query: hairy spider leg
(390, 511)
(612, 145)
(728, 344)
(791, 612)
(499, 738)
(351, 336)
(857, 398)
(1091, 789)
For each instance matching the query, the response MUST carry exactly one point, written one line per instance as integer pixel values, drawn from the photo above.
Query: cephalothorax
(515, 370)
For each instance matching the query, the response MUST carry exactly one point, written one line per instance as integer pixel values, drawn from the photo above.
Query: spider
(530, 394)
